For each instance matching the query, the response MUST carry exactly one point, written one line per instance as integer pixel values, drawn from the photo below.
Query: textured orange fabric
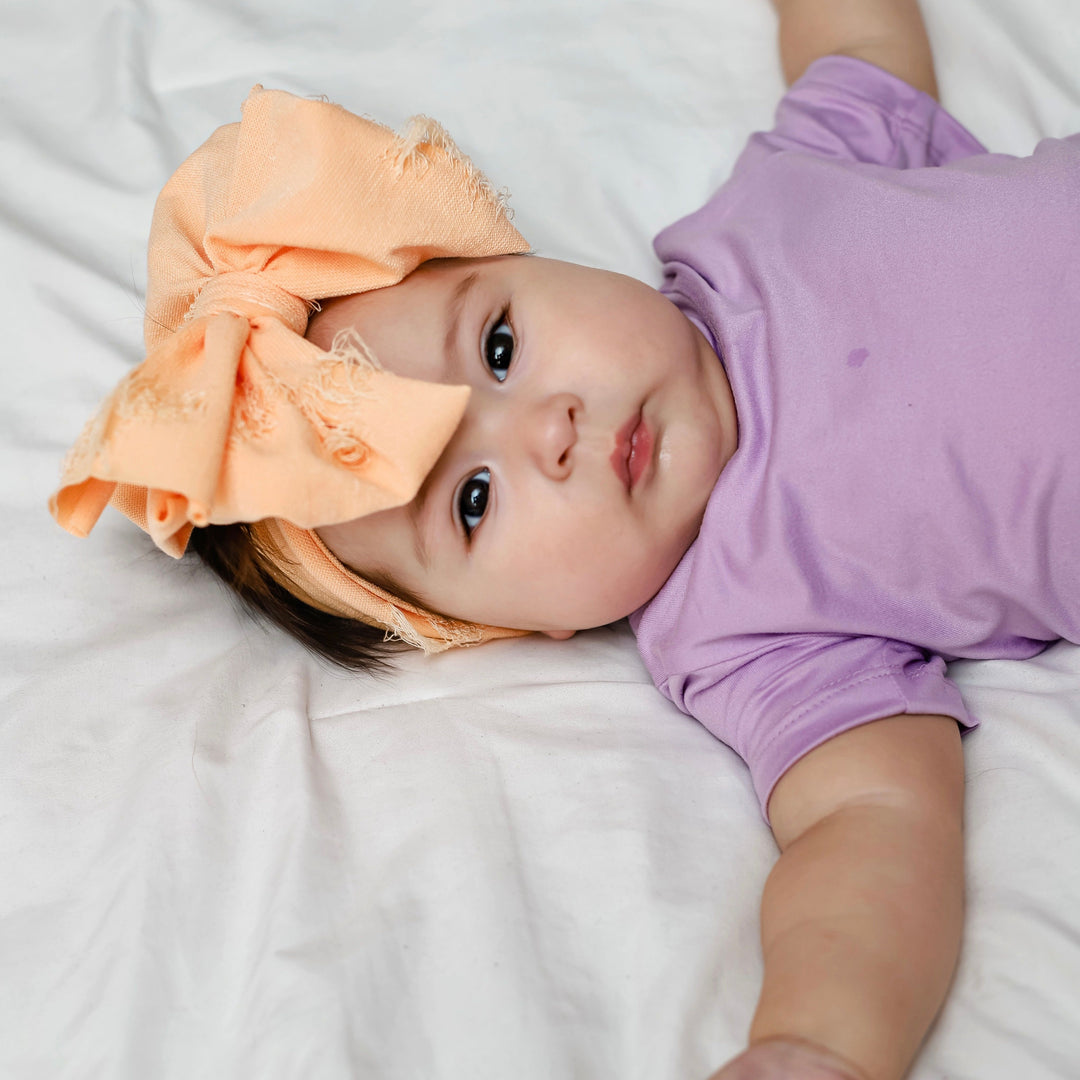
(306, 567)
(233, 415)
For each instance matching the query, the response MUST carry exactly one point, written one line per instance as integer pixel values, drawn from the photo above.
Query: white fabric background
(219, 859)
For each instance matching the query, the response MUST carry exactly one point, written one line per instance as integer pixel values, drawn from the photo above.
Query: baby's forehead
(325, 323)
(391, 303)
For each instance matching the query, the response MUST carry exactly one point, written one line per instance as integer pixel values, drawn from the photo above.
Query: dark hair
(234, 556)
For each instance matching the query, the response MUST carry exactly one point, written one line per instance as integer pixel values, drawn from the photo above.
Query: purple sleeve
(853, 110)
(777, 697)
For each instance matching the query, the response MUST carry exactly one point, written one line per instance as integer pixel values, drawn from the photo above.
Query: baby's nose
(550, 432)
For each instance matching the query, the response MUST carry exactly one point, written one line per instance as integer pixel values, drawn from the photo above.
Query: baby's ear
(559, 635)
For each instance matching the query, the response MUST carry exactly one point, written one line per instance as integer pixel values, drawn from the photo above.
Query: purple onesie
(898, 313)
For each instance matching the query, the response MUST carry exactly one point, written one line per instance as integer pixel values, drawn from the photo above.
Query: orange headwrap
(233, 415)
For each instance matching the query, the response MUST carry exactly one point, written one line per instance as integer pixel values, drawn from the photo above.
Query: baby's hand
(787, 1059)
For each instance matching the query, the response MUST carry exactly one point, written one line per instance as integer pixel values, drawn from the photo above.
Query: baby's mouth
(633, 450)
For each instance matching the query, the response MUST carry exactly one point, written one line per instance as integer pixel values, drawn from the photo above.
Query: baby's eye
(472, 502)
(499, 348)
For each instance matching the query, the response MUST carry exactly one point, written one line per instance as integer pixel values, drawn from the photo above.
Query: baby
(836, 450)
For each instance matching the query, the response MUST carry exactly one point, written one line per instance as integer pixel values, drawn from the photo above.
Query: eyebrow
(388, 583)
(416, 510)
(454, 307)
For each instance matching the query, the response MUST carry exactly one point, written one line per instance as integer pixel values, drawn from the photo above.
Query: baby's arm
(888, 33)
(861, 917)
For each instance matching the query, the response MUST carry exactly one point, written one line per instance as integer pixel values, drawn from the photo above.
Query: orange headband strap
(309, 570)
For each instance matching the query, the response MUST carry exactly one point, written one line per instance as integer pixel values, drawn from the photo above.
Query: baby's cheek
(613, 575)
(576, 569)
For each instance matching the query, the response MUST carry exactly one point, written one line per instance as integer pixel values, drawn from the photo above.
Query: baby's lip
(633, 450)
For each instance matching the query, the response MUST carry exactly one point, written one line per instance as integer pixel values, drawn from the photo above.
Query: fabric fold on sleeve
(852, 110)
(786, 694)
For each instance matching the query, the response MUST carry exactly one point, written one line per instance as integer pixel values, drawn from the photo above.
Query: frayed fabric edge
(421, 131)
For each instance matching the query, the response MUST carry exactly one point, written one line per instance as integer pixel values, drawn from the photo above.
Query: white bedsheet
(219, 859)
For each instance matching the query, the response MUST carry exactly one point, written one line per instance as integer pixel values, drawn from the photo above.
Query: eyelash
(483, 476)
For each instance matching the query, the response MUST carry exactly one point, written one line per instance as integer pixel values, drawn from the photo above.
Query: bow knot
(248, 294)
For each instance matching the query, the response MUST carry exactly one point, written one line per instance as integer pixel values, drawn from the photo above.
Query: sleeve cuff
(875, 695)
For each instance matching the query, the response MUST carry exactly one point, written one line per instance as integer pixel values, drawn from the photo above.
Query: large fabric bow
(233, 416)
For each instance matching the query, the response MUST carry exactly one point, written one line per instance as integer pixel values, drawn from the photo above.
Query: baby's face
(598, 423)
